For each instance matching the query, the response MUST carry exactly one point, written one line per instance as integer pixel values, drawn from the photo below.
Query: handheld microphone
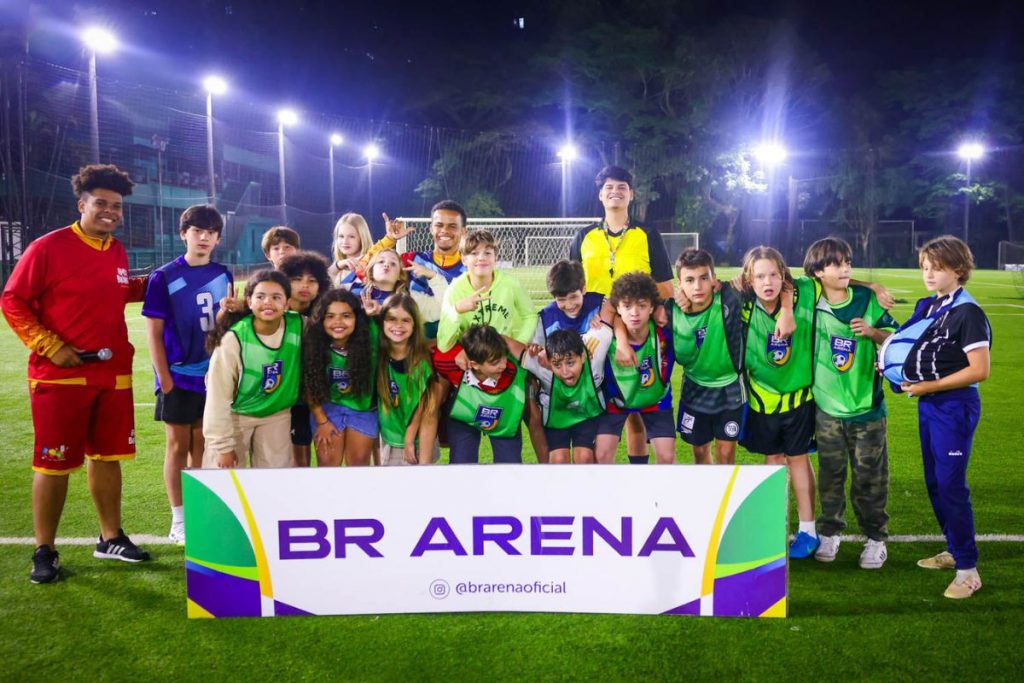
(93, 356)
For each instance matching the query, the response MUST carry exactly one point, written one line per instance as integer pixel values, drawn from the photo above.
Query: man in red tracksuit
(65, 300)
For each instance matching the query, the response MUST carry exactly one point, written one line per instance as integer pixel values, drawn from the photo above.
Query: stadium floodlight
(770, 153)
(215, 85)
(371, 152)
(287, 117)
(336, 139)
(971, 151)
(99, 40)
(568, 152)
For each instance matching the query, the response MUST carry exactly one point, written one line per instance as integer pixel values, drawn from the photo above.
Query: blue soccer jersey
(552, 318)
(187, 299)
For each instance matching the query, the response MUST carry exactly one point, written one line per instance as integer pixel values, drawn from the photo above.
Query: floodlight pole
(209, 147)
(94, 114)
(967, 205)
(280, 163)
(330, 174)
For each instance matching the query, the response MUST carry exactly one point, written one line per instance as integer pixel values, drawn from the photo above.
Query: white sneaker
(873, 555)
(177, 533)
(826, 552)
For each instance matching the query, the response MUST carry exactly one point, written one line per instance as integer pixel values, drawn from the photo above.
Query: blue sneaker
(803, 546)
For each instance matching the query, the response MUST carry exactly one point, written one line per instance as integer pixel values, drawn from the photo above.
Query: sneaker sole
(946, 594)
(110, 556)
(923, 564)
(39, 582)
(824, 558)
(872, 566)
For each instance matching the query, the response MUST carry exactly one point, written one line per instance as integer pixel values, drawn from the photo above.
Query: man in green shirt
(850, 416)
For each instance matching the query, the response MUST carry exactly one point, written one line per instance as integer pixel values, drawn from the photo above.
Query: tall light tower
(568, 153)
(371, 152)
(335, 140)
(772, 155)
(285, 117)
(969, 152)
(98, 41)
(214, 85)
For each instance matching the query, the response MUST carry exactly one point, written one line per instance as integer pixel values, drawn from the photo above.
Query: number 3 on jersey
(205, 302)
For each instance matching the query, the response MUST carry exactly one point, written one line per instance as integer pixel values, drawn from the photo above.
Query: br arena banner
(697, 540)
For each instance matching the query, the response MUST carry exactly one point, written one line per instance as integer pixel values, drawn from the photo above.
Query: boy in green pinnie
(850, 417)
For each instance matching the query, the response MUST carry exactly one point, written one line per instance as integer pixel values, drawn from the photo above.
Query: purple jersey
(187, 299)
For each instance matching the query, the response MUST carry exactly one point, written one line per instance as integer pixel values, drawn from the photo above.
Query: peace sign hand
(370, 306)
(472, 301)
(396, 229)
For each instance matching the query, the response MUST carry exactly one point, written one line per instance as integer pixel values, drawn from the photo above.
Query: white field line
(146, 539)
(977, 282)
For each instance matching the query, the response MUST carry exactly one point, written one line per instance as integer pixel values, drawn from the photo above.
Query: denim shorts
(343, 417)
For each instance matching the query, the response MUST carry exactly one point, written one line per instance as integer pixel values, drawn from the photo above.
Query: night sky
(378, 59)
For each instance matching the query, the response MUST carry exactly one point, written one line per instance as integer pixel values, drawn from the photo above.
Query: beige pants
(260, 441)
(390, 455)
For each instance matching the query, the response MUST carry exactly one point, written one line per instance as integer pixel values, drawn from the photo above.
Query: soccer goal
(1011, 256)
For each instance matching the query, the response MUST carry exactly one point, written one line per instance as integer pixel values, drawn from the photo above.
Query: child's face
(304, 289)
(937, 278)
(481, 261)
(571, 304)
(339, 321)
(615, 194)
(766, 280)
(268, 301)
(348, 242)
(835, 275)
(635, 313)
(278, 251)
(489, 369)
(387, 268)
(447, 230)
(697, 284)
(567, 368)
(199, 241)
(398, 324)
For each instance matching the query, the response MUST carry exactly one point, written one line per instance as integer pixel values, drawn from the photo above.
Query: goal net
(1011, 256)
(531, 245)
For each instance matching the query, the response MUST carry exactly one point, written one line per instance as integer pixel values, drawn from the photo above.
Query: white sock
(177, 514)
(808, 528)
(964, 574)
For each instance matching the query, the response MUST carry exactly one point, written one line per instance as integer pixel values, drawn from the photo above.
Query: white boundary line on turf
(147, 539)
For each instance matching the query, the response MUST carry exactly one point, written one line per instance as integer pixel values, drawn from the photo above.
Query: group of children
(373, 357)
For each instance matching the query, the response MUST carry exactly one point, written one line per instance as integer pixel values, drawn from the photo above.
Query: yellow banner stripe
(708, 584)
(263, 568)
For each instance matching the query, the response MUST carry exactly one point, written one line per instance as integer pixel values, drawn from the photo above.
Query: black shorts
(302, 430)
(697, 429)
(790, 433)
(658, 424)
(180, 407)
(581, 435)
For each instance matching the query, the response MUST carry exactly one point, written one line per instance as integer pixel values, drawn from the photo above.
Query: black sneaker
(45, 565)
(120, 547)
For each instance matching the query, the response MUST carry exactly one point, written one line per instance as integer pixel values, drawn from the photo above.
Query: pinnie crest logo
(122, 276)
(698, 336)
(778, 350)
(393, 392)
(341, 380)
(646, 370)
(842, 353)
(53, 453)
(487, 417)
(272, 376)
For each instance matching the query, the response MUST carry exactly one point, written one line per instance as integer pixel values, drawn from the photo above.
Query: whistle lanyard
(612, 251)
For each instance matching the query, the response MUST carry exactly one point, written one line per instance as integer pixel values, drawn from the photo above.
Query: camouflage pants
(861, 445)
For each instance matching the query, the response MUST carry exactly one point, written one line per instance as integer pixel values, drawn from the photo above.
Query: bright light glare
(371, 152)
(215, 85)
(770, 153)
(99, 40)
(568, 152)
(336, 139)
(287, 117)
(970, 151)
